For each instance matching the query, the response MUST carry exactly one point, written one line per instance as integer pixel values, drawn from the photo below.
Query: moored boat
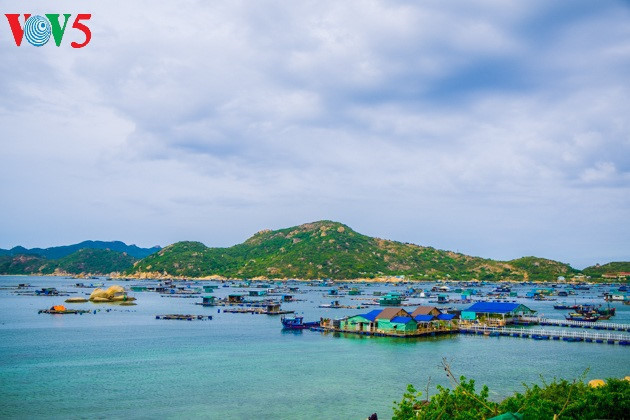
(297, 323)
(574, 316)
(565, 306)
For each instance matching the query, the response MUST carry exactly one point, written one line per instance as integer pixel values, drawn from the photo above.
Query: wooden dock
(259, 304)
(543, 334)
(609, 326)
(255, 310)
(64, 312)
(180, 317)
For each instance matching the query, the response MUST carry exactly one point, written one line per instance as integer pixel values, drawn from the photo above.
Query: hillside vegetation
(327, 249)
(612, 269)
(57, 252)
(87, 261)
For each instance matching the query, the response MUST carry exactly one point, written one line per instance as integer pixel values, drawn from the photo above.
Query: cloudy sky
(494, 128)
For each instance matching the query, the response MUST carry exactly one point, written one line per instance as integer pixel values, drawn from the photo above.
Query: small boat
(297, 323)
(182, 317)
(609, 311)
(582, 317)
(564, 306)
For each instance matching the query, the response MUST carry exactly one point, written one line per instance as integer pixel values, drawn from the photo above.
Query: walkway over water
(577, 324)
(542, 334)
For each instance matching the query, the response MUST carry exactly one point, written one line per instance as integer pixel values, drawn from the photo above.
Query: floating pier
(255, 310)
(609, 326)
(181, 317)
(331, 306)
(542, 334)
(63, 312)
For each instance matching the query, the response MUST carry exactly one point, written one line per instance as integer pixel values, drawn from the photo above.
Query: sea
(121, 362)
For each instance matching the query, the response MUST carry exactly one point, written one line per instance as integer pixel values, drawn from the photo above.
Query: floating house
(236, 298)
(364, 322)
(354, 291)
(496, 313)
(208, 301)
(257, 292)
(442, 298)
(273, 308)
(47, 291)
(209, 288)
(390, 299)
(395, 322)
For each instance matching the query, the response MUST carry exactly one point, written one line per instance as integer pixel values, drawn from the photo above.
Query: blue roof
(424, 318)
(401, 319)
(493, 307)
(372, 314)
(445, 317)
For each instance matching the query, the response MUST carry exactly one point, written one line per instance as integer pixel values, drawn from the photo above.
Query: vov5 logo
(38, 29)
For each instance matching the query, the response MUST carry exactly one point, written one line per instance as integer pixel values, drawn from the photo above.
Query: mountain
(90, 261)
(24, 264)
(327, 249)
(62, 251)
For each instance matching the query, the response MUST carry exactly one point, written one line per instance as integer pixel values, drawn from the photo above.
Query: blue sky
(498, 129)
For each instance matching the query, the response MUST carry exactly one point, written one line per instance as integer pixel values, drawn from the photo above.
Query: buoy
(595, 383)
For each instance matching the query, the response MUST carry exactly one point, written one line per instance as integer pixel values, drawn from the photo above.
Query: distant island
(63, 251)
(318, 250)
(88, 257)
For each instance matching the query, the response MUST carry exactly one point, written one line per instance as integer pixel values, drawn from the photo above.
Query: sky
(494, 128)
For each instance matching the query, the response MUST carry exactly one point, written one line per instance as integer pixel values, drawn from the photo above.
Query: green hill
(332, 250)
(543, 269)
(25, 264)
(95, 261)
(610, 269)
(65, 250)
(89, 261)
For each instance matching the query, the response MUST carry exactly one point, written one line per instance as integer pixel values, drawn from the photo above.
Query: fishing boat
(608, 311)
(574, 316)
(297, 323)
(565, 306)
(604, 313)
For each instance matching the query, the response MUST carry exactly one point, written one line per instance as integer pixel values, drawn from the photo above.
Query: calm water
(126, 364)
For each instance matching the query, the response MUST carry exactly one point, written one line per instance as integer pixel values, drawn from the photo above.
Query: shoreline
(376, 280)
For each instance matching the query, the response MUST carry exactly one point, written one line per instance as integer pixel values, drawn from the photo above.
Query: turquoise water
(126, 364)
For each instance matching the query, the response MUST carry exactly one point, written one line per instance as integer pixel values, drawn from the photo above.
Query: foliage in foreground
(559, 399)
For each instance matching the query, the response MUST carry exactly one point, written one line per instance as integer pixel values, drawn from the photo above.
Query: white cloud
(477, 123)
